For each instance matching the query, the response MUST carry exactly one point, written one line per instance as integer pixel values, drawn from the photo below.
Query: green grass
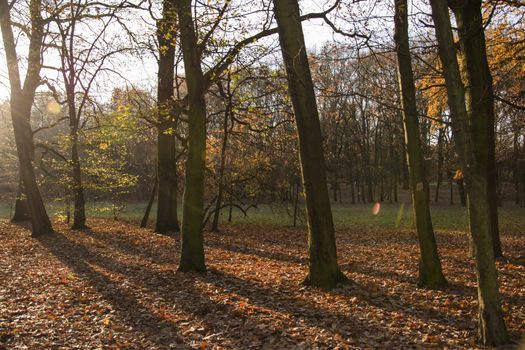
(131, 211)
(390, 216)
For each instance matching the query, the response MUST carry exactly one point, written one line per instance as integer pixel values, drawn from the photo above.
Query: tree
(84, 41)
(167, 123)
(430, 273)
(192, 247)
(21, 100)
(479, 96)
(228, 95)
(492, 329)
(323, 268)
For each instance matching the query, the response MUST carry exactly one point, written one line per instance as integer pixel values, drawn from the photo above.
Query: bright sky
(142, 72)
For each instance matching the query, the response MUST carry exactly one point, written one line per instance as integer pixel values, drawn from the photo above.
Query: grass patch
(390, 216)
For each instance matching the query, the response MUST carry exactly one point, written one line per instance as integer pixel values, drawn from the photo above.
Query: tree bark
(222, 165)
(451, 180)
(492, 329)
(167, 216)
(21, 100)
(324, 271)
(79, 210)
(430, 272)
(167, 200)
(479, 98)
(21, 206)
(296, 201)
(192, 241)
(440, 163)
(461, 192)
(515, 167)
(404, 171)
(145, 218)
(230, 209)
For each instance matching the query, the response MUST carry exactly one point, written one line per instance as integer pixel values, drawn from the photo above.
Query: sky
(142, 71)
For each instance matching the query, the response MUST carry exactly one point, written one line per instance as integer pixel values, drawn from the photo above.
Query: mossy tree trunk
(479, 99)
(430, 273)
(324, 271)
(192, 241)
(21, 100)
(492, 329)
(167, 216)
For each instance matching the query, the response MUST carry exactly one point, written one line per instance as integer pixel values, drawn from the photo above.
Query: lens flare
(53, 107)
(376, 208)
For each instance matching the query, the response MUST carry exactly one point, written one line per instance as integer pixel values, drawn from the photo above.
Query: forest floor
(117, 286)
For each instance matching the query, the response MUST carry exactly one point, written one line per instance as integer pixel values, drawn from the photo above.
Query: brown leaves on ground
(116, 287)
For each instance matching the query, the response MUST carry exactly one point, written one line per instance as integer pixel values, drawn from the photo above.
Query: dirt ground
(117, 287)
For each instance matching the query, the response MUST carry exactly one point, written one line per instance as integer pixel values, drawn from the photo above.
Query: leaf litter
(116, 286)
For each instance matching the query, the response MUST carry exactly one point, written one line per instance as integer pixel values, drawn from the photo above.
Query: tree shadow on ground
(178, 289)
(377, 297)
(278, 256)
(202, 308)
(172, 288)
(123, 244)
(134, 313)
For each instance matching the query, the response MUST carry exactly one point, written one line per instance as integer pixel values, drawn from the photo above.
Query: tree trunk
(378, 185)
(167, 216)
(492, 329)
(79, 211)
(154, 190)
(430, 273)
(222, 166)
(522, 203)
(352, 192)
(479, 100)
(230, 209)
(220, 192)
(21, 206)
(68, 206)
(395, 188)
(440, 163)
(461, 191)
(404, 171)
(40, 223)
(451, 180)
(515, 168)
(296, 201)
(351, 181)
(21, 101)
(324, 271)
(69, 75)
(192, 242)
